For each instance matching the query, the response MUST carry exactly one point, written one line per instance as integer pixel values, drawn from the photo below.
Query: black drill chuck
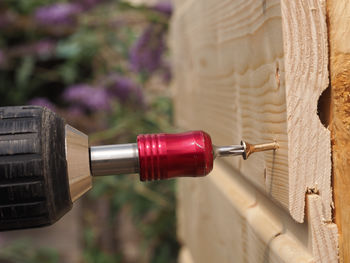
(34, 185)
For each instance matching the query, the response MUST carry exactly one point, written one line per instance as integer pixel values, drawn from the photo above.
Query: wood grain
(324, 234)
(254, 70)
(228, 220)
(306, 60)
(225, 66)
(339, 35)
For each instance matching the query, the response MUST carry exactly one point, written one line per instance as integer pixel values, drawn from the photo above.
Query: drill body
(45, 164)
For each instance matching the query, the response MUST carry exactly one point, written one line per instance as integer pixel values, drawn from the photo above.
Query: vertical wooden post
(338, 12)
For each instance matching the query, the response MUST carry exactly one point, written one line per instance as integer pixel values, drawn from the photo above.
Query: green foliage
(152, 204)
(153, 211)
(89, 51)
(93, 254)
(24, 72)
(18, 252)
(27, 6)
(76, 53)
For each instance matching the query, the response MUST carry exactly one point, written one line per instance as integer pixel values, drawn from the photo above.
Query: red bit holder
(164, 156)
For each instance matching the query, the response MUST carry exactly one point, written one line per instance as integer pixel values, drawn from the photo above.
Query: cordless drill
(45, 164)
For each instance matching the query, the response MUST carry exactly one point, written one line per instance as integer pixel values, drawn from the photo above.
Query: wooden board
(324, 234)
(306, 61)
(185, 256)
(254, 70)
(228, 220)
(339, 46)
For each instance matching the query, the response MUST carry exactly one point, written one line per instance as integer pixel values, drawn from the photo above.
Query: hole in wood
(324, 107)
(312, 190)
(277, 234)
(277, 75)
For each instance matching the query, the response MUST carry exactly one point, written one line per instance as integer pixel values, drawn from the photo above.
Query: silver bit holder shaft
(245, 149)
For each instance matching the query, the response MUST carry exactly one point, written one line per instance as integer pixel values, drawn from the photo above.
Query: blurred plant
(18, 252)
(58, 14)
(164, 7)
(2, 58)
(87, 97)
(44, 102)
(74, 57)
(146, 54)
(124, 89)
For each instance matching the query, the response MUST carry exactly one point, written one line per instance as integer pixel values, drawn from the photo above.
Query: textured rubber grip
(34, 188)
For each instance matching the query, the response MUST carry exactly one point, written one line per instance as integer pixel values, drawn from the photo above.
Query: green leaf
(69, 72)
(22, 250)
(25, 71)
(68, 50)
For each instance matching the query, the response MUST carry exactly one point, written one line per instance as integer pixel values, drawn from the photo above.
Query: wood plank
(339, 45)
(228, 220)
(222, 90)
(185, 256)
(324, 234)
(254, 70)
(306, 61)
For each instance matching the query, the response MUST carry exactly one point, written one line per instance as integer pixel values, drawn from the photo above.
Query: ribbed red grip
(163, 156)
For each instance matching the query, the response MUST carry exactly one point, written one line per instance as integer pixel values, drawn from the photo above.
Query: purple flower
(124, 89)
(63, 13)
(164, 7)
(146, 53)
(57, 14)
(44, 102)
(89, 97)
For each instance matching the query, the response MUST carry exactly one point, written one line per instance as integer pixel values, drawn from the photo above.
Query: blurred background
(103, 65)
